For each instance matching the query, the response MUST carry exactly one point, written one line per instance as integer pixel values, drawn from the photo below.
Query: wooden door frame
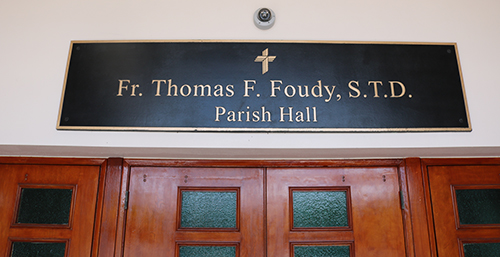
(417, 236)
(110, 214)
(429, 162)
(100, 162)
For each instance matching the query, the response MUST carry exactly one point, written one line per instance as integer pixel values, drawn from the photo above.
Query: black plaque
(263, 86)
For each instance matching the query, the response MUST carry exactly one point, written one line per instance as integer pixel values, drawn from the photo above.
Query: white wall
(35, 38)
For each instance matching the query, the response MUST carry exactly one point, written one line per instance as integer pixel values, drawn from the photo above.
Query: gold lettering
(299, 116)
(264, 113)
(209, 89)
(182, 90)
(282, 114)
(121, 86)
(273, 87)
(231, 116)
(133, 89)
(170, 86)
(306, 90)
(247, 87)
(158, 83)
(355, 89)
(375, 88)
(219, 110)
(218, 91)
(248, 113)
(403, 89)
(318, 87)
(287, 93)
(330, 93)
(239, 114)
(255, 115)
(230, 90)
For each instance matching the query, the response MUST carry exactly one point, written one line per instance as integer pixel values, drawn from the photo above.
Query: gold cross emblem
(265, 59)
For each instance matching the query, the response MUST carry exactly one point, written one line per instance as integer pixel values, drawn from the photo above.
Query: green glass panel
(482, 250)
(35, 249)
(478, 206)
(208, 209)
(319, 209)
(207, 251)
(322, 251)
(45, 206)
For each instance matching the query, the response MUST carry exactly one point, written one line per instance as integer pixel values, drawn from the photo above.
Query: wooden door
(362, 206)
(47, 210)
(372, 223)
(466, 209)
(181, 211)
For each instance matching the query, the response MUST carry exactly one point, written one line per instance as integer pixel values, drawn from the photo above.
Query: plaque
(254, 86)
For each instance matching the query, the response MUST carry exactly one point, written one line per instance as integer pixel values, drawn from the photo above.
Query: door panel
(466, 209)
(374, 225)
(47, 209)
(178, 212)
(184, 212)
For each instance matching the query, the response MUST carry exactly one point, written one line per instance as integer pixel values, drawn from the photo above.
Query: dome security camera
(264, 18)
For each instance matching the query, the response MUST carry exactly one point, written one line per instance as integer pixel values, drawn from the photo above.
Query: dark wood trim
(99, 208)
(426, 162)
(110, 216)
(121, 218)
(417, 208)
(264, 206)
(265, 163)
(427, 195)
(109, 204)
(52, 161)
(405, 206)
